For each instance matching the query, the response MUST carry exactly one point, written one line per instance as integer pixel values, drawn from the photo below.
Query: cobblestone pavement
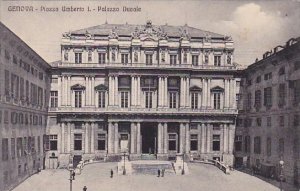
(202, 177)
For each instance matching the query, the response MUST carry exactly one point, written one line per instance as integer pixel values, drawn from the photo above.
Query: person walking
(111, 173)
(158, 173)
(163, 172)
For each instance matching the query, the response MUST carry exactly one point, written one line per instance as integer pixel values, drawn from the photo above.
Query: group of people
(161, 172)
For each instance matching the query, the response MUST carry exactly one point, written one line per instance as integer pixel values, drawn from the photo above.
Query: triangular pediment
(77, 87)
(217, 89)
(195, 88)
(101, 87)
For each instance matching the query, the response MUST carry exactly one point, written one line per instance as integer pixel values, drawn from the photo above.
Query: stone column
(166, 137)
(86, 138)
(111, 138)
(86, 91)
(166, 91)
(208, 137)
(133, 138)
(133, 90)
(187, 138)
(203, 138)
(208, 93)
(69, 138)
(199, 136)
(110, 91)
(63, 93)
(225, 138)
(116, 91)
(187, 102)
(93, 90)
(159, 92)
(160, 138)
(231, 130)
(116, 138)
(233, 94)
(138, 134)
(184, 92)
(60, 92)
(204, 93)
(139, 91)
(93, 138)
(68, 90)
(182, 138)
(181, 92)
(62, 138)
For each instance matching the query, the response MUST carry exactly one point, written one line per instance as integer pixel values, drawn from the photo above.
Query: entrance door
(149, 138)
(124, 142)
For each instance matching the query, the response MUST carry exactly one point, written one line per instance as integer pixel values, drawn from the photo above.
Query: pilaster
(93, 137)
(62, 145)
(110, 145)
(116, 138)
(133, 138)
(160, 138)
(187, 138)
(138, 134)
(166, 137)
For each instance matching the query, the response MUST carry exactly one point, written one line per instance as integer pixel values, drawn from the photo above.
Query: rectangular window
(258, 79)
(6, 85)
(78, 98)
(268, 76)
(53, 142)
(281, 121)
(247, 144)
(149, 59)
(257, 99)
(258, 122)
(297, 91)
(195, 60)
(217, 60)
(217, 101)
(78, 58)
(124, 58)
(249, 101)
(194, 142)
(78, 125)
(173, 59)
(269, 146)
(148, 100)
(124, 99)
(257, 145)
(216, 142)
(90, 56)
(13, 148)
(281, 147)
(281, 95)
(101, 141)
(238, 143)
(77, 142)
(101, 99)
(268, 97)
(194, 100)
(39, 144)
(172, 142)
(101, 58)
(269, 121)
(20, 151)
(296, 120)
(173, 99)
(53, 99)
(4, 149)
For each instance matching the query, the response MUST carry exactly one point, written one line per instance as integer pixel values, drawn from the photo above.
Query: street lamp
(71, 175)
(182, 173)
(281, 162)
(124, 170)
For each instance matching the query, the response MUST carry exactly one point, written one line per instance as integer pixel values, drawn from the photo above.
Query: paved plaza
(202, 177)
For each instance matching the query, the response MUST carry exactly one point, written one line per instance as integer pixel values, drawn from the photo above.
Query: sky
(255, 26)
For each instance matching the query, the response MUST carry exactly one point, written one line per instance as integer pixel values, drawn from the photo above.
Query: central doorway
(149, 138)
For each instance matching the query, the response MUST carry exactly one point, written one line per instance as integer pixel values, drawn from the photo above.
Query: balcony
(145, 111)
(142, 66)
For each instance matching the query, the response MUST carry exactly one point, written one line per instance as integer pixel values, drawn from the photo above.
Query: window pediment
(77, 87)
(195, 89)
(217, 89)
(101, 87)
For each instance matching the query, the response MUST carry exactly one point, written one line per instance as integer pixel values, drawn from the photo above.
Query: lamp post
(71, 175)
(182, 173)
(281, 162)
(124, 170)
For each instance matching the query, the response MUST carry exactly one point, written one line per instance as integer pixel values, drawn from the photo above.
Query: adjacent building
(145, 90)
(24, 89)
(268, 124)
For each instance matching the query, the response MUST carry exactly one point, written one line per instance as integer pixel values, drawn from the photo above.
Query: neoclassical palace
(144, 90)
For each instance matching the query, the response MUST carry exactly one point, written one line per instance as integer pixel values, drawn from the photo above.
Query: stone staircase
(148, 157)
(150, 167)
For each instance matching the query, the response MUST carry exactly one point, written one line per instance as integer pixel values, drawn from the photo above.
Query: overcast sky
(256, 26)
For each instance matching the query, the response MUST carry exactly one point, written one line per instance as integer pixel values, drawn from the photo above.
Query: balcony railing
(113, 109)
(143, 65)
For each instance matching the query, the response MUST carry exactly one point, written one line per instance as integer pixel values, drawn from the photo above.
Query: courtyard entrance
(149, 138)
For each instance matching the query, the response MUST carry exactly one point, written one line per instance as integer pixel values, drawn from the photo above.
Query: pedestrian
(73, 175)
(158, 173)
(111, 173)
(163, 172)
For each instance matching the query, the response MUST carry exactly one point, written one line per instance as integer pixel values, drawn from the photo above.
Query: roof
(128, 29)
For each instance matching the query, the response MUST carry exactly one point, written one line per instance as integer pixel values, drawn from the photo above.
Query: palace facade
(24, 95)
(269, 113)
(145, 90)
